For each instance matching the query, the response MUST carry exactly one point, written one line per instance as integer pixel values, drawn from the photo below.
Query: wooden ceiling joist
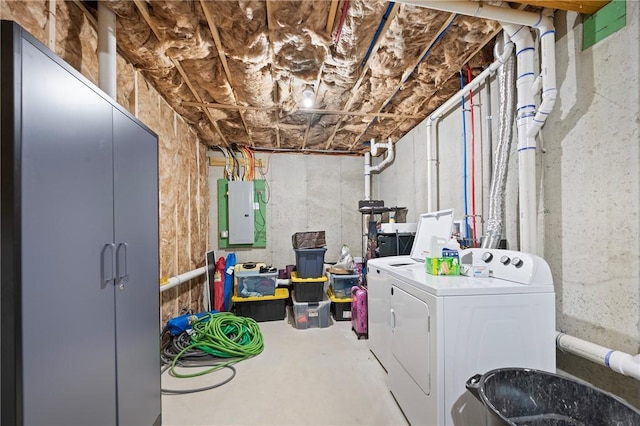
(142, 8)
(467, 59)
(223, 59)
(195, 94)
(229, 107)
(392, 14)
(333, 9)
(588, 7)
(315, 95)
(405, 75)
(305, 110)
(275, 83)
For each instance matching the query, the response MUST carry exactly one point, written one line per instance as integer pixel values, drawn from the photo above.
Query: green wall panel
(603, 23)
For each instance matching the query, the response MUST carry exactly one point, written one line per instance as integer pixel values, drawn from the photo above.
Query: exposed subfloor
(320, 376)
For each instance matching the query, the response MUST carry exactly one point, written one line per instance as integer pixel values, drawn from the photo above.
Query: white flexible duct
(107, 50)
(620, 362)
(182, 278)
(506, 114)
(432, 182)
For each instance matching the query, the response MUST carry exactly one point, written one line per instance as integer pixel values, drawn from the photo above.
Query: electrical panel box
(227, 193)
(241, 212)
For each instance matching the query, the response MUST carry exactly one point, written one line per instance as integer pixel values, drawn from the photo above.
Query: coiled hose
(222, 335)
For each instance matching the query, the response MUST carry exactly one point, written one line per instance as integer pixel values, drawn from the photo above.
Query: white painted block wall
(588, 190)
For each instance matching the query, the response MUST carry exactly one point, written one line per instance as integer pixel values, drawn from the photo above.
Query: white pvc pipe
(620, 362)
(482, 10)
(517, 23)
(51, 25)
(525, 78)
(367, 176)
(107, 50)
(368, 169)
(388, 158)
(432, 182)
(547, 75)
(182, 278)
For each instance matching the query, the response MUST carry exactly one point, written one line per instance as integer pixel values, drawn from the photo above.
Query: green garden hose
(223, 335)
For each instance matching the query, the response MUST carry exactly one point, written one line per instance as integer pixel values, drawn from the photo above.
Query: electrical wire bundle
(233, 164)
(217, 341)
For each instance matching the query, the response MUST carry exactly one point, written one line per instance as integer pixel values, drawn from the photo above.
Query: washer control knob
(517, 262)
(505, 260)
(487, 256)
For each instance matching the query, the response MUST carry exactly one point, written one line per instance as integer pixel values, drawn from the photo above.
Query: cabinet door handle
(393, 320)
(122, 274)
(106, 268)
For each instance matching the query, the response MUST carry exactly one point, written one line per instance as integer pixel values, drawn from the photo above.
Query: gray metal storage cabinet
(79, 286)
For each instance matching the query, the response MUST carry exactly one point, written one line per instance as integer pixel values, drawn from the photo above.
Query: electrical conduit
(432, 120)
(473, 161)
(464, 166)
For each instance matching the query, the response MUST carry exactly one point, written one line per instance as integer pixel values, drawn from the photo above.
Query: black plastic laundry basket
(520, 396)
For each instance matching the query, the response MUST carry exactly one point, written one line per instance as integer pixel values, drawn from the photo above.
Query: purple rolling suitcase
(359, 311)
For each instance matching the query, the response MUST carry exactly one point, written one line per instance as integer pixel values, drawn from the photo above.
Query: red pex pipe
(473, 160)
(345, 6)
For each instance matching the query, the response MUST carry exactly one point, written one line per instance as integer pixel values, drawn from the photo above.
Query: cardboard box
(442, 265)
(308, 240)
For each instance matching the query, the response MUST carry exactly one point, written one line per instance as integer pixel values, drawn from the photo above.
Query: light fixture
(307, 97)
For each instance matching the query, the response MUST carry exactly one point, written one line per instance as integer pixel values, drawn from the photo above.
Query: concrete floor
(304, 377)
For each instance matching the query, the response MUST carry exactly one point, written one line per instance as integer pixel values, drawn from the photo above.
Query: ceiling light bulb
(307, 97)
(307, 92)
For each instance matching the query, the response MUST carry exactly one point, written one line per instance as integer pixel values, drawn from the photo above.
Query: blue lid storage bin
(309, 262)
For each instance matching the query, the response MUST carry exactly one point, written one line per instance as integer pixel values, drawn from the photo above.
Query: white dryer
(437, 224)
(445, 329)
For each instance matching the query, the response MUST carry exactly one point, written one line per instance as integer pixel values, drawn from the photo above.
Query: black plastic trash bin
(520, 396)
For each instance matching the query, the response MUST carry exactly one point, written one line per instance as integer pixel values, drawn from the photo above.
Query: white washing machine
(444, 329)
(437, 224)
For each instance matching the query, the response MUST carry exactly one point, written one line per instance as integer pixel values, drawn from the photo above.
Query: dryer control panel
(519, 267)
